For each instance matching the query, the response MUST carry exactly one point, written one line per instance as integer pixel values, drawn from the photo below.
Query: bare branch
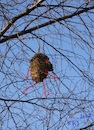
(26, 12)
(45, 24)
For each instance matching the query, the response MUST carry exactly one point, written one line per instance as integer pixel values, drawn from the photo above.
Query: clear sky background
(69, 44)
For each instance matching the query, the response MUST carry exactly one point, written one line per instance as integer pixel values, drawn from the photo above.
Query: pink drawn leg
(28, 88)
(27, 74)
(51, 75)
(46, 95)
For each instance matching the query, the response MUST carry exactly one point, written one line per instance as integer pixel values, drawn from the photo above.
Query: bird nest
(39, 67)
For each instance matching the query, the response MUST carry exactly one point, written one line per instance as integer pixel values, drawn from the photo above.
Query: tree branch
(92, 124)
(20, 16)
(45, 24)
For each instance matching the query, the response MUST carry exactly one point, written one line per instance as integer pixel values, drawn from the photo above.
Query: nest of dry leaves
(39, 67)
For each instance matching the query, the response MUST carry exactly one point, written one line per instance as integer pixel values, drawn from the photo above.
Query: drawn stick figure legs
(51, 75)
(46, 95)
(46, 73)
(28, 88)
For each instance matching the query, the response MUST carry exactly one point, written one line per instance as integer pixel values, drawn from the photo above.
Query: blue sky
(70, 95)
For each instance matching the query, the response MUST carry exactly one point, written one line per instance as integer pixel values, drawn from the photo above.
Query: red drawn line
(46, 73)
(46, 95)
(28, 88)
(47, 61)
(51, 75)
(27, 74)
